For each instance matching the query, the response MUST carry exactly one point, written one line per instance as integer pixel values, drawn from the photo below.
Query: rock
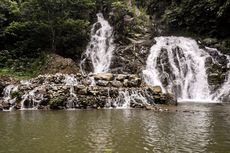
(51, 92)
(150, 107)
(102, 83)
(133, 76)
(86, 82)
(18, 106)
(208, 62)
(126, 83)
(97, 26)
(1, 106)
(59, 64)
(6, 105)
(210, 41)
(57, 102)
(2, 86)
(155, 89)
(170, 99)
(104, 76)
(79, 87)
(136, 82)
(94, 92)
(117, 84)
(121, 77)
(103, 91)
(83, 91)
(113, 92)
(55, 88)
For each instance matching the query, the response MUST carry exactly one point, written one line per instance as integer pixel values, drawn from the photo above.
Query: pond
(191, 127)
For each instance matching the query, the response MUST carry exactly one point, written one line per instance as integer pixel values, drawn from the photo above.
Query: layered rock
(105, 90)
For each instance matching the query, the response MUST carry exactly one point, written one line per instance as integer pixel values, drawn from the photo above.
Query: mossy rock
(16, 94)
(57, 102)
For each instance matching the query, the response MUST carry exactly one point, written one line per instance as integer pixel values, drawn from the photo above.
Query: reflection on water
(193, 128)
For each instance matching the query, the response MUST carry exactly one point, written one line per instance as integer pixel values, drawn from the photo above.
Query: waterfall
(128, 98)
(178, 65)
(8, 97)
(101, 46)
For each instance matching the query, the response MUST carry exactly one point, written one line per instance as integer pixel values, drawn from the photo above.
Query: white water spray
(101, 46)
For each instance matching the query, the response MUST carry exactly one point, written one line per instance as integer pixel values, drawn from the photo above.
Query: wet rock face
(217, 68)
(62, 91)
(1, 105)
(2, 86)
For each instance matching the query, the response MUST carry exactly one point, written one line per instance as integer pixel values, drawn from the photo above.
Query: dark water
(203, 128)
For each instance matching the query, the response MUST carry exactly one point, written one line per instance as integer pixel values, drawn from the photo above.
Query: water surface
(192, 128)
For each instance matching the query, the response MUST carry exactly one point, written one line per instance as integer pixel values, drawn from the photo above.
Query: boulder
(126, 83)
(117, 84)
(170, 99)
(102, 83)
(104, 76)
(136, 82)
(83, 91)
(6, 105)
(210, 41)
(79, 87)
(155, 89)
(121, 77)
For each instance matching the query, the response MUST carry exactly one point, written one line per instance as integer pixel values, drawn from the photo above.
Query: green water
(203, 128)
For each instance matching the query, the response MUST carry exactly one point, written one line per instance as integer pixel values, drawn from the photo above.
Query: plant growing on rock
(57, 102)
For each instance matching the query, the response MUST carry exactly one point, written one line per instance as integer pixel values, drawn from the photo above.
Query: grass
(18, 75)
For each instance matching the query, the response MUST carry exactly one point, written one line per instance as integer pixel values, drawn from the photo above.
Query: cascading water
(101, 46)
(33, 92)
(178, 65)
(126, 99)
(8, 97)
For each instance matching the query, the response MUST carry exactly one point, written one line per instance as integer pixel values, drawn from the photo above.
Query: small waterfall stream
(179, 66)
(101, 46)
(35, 96)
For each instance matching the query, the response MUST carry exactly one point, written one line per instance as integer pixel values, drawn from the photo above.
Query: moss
(56, 102)
(18, 95)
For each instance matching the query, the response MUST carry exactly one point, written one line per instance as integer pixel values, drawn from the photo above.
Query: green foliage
(207, 18)
(72, 39)
(30, 28)
(129, 21)
(23, 68)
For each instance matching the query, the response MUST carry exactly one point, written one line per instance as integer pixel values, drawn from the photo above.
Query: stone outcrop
(58, 64)
(61, 91)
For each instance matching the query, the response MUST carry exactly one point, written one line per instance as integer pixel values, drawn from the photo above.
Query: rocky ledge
(62, 91)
